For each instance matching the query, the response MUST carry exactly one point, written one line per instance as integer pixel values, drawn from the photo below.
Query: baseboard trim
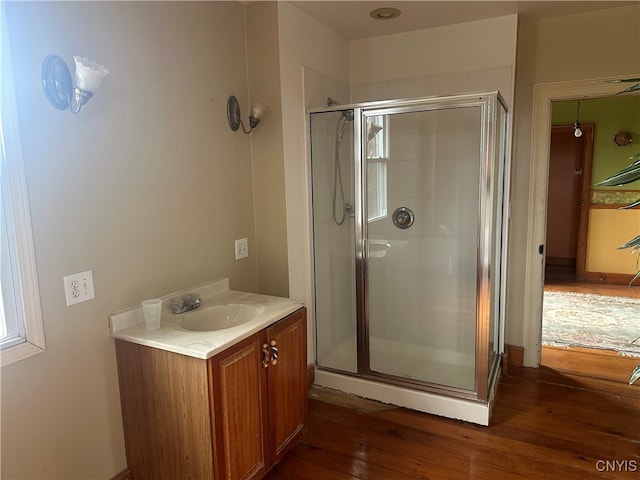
(608, 278)
(123, 475)
(513, 357)
(560, 262)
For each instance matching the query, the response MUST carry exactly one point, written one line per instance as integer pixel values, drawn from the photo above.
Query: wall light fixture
(233, 114)
(622, 138)
(60, 90)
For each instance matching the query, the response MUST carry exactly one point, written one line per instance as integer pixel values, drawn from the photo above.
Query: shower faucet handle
(403, 217)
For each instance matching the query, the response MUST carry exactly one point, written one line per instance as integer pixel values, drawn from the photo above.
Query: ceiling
(351, 18)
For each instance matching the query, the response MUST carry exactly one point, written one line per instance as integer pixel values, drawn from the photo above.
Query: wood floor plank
(546, 425)
(607, 290)
(593, 363)
(571, 379)
(335, 460)
(402, 451)
(296, 467)
(457, 446)
(577, 406)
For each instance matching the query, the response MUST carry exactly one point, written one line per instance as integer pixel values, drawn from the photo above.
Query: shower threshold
(421, 401)
(442, 367)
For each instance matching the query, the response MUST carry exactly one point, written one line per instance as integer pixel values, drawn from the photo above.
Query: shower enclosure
(409, 228)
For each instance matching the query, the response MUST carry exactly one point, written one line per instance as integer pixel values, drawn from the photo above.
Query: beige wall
(461, 58)
(305, 44)
(267, 149)
(147, 187)
(547, 52)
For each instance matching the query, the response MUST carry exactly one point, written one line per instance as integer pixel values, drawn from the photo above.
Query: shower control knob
(402, 217)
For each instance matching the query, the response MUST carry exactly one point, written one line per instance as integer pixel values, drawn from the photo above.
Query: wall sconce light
(233, 114)
(577, 131)
(622, 138)
(60, 90)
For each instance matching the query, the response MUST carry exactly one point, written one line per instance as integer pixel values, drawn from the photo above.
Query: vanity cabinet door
(165, 413)
(238, 397)
(287, 383)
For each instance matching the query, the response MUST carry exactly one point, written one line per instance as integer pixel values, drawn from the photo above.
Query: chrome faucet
(188, 301)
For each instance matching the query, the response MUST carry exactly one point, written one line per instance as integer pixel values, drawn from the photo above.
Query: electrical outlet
(78, 287)
(242, 248)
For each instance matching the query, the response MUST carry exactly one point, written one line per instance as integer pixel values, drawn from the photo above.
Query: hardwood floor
(545, 425)
(604, 364)
(595, 288)
(574, 418)
(589, 362)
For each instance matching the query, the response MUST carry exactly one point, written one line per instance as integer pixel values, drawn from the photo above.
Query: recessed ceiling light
(385, 13)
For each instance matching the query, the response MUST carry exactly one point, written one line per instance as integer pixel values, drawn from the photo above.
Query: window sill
(20, 352)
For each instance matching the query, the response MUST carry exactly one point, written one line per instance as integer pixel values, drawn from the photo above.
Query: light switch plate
(78, 287)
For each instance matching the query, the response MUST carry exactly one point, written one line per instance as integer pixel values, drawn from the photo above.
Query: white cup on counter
(152, 310)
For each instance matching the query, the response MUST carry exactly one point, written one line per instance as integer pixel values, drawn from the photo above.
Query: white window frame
(16, 204)
(377, 159)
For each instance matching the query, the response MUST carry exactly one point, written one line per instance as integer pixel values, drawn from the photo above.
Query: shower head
(347, 114)
(373, 131)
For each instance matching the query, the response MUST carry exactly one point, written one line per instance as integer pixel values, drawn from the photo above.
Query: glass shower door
(333, 197)
(423, 190)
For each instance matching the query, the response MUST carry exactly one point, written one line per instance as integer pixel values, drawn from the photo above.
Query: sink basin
(218, 317)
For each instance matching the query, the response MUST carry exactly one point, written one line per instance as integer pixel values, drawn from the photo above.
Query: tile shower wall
(424, 291)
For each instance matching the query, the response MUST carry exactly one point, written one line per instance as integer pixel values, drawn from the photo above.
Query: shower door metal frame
(488, 102)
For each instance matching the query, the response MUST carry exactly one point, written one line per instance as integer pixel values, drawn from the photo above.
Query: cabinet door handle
(265, 355)
(274, 353)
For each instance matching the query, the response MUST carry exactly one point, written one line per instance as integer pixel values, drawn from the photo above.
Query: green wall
(610, 115)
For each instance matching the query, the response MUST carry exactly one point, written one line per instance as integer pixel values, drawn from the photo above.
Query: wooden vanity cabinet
(231, 417)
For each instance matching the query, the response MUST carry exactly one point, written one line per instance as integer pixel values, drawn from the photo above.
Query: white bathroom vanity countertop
(129, 324)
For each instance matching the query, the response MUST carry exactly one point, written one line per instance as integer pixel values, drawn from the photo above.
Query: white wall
(147, 186)
(547, 53)
(304, 44)
(461, 58)
(263, 64)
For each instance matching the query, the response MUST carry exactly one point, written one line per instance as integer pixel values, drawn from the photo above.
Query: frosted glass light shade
(89, 74)
(257, 110)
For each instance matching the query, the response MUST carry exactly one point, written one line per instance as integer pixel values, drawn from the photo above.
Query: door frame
(543, 95)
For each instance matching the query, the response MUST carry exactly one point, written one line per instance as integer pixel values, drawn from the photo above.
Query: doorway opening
(568, 200)
(578, 315)
(540, 206)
